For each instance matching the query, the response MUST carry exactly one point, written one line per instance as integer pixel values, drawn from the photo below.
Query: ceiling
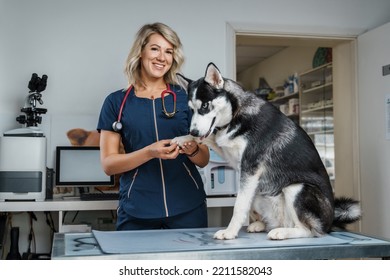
(252, 49)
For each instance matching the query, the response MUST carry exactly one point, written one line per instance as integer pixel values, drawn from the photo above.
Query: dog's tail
(346, 211)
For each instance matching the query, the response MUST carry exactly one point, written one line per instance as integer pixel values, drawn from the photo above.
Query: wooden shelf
(322, 108)
(285, 98)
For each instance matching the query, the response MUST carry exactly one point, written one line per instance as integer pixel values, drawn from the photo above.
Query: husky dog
(284, 185)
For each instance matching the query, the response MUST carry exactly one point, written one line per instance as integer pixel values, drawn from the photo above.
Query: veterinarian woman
(160, 186)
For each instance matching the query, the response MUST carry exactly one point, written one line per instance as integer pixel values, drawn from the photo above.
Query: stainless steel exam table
(200, 244)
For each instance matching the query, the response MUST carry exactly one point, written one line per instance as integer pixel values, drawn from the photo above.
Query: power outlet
(386, 70)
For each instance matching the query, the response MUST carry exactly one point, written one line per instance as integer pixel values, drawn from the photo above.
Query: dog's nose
(194, 132)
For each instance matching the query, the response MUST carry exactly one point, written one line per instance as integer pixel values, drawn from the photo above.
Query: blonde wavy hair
(133, 62)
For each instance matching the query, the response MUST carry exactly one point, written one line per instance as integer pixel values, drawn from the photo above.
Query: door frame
(345, 104)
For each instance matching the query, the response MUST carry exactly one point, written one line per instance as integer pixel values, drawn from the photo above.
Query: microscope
(23, 150)
(32, 114)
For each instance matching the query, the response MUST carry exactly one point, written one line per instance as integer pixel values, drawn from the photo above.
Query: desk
(353, 246)
(61, 205)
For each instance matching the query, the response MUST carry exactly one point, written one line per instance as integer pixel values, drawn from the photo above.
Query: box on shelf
(293, 106)
(284, 108)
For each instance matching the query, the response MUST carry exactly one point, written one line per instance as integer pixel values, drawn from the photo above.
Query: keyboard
(99, 196)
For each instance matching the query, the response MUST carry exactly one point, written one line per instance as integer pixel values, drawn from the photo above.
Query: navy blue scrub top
(157, 188)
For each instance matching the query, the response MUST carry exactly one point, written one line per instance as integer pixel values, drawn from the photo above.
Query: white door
(374, 147)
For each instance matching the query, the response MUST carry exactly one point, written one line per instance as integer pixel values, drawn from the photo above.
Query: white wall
(82, 44)
(278, 68)
(374, 147)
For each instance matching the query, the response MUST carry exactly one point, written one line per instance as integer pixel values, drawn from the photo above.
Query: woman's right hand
(164, 149)
(114, 162)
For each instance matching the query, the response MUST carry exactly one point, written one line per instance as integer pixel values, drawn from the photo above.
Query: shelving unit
(316, 111)
(285, 100)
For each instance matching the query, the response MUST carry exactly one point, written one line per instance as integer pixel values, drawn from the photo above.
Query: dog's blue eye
(204, 108)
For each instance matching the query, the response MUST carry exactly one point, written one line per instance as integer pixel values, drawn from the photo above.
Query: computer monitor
(80, 166)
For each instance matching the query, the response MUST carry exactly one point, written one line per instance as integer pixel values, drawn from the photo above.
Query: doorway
(276, 56)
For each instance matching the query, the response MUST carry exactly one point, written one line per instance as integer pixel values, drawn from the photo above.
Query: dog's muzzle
(195, 132)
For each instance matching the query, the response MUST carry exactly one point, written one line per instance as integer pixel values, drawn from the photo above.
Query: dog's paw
(256, 227)
(287, 233)
(181, 140)
(278, 234)
(225, 234)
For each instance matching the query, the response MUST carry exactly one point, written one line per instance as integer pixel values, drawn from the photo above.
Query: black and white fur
(284, 185)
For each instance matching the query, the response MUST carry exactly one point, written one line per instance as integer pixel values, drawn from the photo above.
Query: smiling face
(156, 58)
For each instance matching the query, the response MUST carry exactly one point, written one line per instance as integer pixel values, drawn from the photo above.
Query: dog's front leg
(210, 142)
(242, 206)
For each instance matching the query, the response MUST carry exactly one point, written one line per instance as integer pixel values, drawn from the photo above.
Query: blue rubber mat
(149, 241)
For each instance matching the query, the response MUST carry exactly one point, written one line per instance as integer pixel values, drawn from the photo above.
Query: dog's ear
(77, 136)
(82, 137)
(183, 81)
(213, 76)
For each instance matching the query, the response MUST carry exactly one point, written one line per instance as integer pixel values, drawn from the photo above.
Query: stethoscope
(117, 125)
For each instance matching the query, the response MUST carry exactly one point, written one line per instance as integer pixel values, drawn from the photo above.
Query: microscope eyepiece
(37, 84)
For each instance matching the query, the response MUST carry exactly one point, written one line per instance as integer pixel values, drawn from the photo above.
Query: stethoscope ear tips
(117, 126)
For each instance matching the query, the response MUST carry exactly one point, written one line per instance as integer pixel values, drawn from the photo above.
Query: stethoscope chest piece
(117, 126)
